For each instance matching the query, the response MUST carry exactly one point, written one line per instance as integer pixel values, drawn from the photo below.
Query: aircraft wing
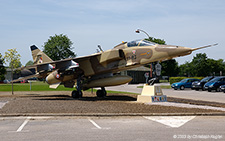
(58, 64)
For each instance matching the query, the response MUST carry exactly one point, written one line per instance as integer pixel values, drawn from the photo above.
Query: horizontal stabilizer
(49, 65)
(24, 78)
(204, 46)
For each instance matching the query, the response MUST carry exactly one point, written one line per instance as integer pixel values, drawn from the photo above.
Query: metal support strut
(77, 93)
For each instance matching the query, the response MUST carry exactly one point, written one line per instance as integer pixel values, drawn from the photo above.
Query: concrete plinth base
(151, 94)
(151, 90)
(146, 99)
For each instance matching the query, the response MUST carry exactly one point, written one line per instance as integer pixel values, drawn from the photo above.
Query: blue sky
(190, 23)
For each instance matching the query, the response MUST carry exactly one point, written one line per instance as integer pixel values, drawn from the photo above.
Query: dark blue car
(185, 83)
(222, 88)
(215, 84)
(200, 85)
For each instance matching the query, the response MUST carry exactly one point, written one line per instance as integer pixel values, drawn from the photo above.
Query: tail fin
(39, 56)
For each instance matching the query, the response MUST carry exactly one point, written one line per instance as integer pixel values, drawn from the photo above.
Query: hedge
(178, 79)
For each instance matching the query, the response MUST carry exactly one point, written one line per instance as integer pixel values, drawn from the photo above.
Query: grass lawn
(36, 86)
(41, 86)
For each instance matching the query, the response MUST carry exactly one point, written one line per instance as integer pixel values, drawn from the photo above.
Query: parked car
(200, 85)
(185, 83)
(222, 88)
(215, 84)
(6, 81)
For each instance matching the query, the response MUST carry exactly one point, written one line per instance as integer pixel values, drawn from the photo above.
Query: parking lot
(186, 93)
(142, 128)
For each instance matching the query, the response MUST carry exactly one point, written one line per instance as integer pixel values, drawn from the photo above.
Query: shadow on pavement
(85, 98)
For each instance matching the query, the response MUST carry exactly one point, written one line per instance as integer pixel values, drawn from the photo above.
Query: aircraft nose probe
(204, 47)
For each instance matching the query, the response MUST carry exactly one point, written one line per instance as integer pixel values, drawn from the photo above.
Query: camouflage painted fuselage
(128, 55)
(97, 70)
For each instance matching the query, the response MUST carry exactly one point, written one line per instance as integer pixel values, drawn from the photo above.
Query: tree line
(199, 66)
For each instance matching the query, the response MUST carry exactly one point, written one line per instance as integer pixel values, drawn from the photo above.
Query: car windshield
(215, 79)
(184, 80)
(140, 43)
(206, 79)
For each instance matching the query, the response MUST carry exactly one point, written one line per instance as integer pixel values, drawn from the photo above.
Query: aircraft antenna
(100, 48)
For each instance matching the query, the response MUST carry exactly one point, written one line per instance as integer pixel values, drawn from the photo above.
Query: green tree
(184, 69)
(202, 66)
(199, 65)
(13, 58)
(2, 68)
(59, 47)
(30, 62)
(170, 68)
(158, 41)
(216, 66)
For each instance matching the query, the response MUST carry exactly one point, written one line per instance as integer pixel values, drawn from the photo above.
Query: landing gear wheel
(76, 94)
(101, 93)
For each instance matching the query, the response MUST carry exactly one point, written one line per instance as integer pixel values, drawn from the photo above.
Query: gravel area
(61, 102)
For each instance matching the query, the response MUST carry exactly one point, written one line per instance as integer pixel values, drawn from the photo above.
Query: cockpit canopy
(140, 43)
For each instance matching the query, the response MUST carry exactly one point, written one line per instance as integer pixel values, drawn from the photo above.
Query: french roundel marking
(57, 76)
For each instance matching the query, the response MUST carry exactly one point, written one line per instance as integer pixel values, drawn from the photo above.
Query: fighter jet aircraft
(101, 69)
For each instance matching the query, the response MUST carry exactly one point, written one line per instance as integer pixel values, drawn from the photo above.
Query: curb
(110, 114)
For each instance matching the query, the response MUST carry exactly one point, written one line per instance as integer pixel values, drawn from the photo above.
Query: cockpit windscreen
(140, 43)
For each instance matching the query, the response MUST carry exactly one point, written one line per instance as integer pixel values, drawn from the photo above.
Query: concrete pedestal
(151, 94)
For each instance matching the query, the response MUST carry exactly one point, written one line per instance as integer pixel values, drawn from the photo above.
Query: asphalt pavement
(110, 128)
(186, 94)
(142, 128)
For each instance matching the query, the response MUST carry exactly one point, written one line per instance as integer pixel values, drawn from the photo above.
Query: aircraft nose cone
(181, 51)
(175, 51)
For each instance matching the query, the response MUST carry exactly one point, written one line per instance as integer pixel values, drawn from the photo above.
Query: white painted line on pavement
(172, 121)
(23, 117)
(2, 103)
(23, 125)
(95, 124)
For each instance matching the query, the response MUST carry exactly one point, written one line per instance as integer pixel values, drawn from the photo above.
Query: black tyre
(209, 90)
(182, 87)
(203, 88)
(217, 89)
(76, 94)
(100, 93)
